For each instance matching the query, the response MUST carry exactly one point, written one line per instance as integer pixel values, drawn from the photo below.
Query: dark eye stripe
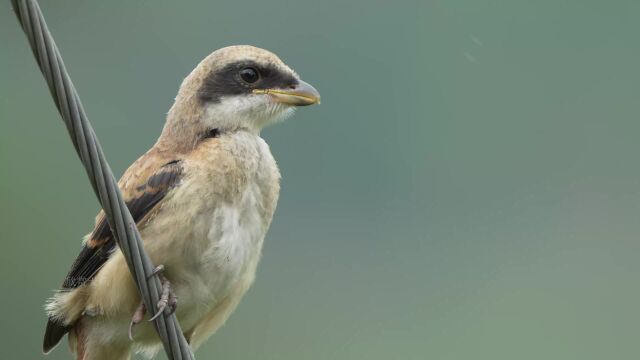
(228, 81)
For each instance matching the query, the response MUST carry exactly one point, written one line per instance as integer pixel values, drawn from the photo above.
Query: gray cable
(104, 184)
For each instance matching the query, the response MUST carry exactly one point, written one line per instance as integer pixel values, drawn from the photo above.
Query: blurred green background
(468, 189)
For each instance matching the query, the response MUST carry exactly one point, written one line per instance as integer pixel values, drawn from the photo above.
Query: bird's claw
(138, 315)
(157, 270)
(167, 298)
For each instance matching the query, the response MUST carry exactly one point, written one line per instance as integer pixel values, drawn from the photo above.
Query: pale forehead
(239, 53)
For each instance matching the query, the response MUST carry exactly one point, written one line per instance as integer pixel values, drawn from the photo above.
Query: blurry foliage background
(468, 189)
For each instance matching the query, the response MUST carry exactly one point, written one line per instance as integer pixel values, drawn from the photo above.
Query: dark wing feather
(98, 248)
(100, 245)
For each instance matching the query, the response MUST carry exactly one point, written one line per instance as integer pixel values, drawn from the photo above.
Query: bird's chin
(282, 113)
(255, 112)
(273, 113)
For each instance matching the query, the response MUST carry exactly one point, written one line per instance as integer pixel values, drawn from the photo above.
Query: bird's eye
(249, 75)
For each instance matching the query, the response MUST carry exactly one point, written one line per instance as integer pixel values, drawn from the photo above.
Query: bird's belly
(217, 258)
(210, 256)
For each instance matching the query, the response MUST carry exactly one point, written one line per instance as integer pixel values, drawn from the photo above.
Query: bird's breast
(222, 210)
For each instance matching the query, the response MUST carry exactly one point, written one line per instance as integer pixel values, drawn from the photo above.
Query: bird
(203, 197)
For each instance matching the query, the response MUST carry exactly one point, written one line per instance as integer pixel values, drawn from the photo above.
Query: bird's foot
(138, 315)
(167, 298)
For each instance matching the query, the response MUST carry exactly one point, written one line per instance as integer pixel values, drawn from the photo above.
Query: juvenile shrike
(203, 198)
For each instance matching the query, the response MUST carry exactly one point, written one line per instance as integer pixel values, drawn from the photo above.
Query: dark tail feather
(52, 335)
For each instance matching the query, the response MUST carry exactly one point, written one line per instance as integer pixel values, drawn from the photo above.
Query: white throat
(252, 112)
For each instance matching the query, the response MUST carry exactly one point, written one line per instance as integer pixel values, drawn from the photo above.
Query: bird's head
(238, 87)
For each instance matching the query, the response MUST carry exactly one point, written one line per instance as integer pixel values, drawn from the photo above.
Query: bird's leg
(167, 298)
(138, 315)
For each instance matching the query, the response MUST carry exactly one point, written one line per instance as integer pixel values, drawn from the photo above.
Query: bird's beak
(302, 94)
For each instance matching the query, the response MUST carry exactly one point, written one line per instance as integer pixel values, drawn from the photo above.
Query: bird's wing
(143, 186)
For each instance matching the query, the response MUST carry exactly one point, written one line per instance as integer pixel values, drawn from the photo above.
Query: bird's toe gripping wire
(167, 298)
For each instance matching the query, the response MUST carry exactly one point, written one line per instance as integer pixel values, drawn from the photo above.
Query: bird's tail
(53, 333)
